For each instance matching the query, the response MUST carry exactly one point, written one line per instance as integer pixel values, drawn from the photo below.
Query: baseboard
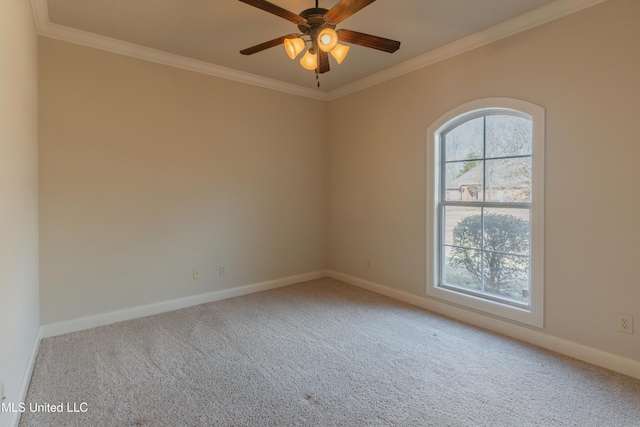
(26, 378)
(614, 362)
(582, 352)
(75, 325)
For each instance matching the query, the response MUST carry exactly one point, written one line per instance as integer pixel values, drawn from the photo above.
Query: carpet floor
(319, 353)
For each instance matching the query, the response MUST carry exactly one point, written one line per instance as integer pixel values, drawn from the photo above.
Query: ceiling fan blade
(276, 10)
(345, 9)
(266, 45)
(323, 62)
(367, 40)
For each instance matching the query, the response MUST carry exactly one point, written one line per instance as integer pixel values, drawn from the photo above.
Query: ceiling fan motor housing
(316, 21)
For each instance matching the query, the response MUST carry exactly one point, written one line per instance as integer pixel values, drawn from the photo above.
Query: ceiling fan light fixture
(327, 40)
(309, 61)
(339, 52)
(293, 46)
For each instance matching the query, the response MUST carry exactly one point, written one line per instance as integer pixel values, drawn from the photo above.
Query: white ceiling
(207, 35)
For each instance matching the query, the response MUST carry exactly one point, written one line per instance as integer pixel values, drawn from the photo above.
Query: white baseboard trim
(26, 378)
(614, 362)
(75, 325)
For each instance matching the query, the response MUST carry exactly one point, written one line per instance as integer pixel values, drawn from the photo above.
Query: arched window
(486, 208)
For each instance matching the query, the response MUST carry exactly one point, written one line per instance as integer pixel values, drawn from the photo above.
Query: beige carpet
(320, 353)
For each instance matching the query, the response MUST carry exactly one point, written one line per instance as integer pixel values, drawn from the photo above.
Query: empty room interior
(195, 236)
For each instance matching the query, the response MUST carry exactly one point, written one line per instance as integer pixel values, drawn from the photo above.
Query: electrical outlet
(625, 323)
(223, 270)
(196, 274)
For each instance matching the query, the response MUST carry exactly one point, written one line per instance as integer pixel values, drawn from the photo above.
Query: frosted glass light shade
(327, 40)
(339, 52)
(294, 46)
(309, 61)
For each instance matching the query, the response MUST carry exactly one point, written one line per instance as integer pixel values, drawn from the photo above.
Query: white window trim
(534, 316)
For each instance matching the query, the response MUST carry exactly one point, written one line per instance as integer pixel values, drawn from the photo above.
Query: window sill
(492, 308)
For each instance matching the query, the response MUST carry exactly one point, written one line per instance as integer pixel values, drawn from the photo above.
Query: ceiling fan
(317, 27)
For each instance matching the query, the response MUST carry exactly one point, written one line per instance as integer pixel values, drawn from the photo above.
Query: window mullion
(484, 159)
(442, 209)
(484, 199)
(482, 250)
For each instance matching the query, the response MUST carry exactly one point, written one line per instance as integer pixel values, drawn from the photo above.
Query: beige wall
(584, 70)
(148, 171)
(19, 317)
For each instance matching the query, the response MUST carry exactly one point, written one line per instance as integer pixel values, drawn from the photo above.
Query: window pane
(508, 180)
(506, 276)
(462, 268)
(465, 141)
(508, 136)
(458, 223)
(507, 231)
(464, 181)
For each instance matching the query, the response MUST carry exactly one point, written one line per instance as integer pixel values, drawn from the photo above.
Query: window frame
(533, 315)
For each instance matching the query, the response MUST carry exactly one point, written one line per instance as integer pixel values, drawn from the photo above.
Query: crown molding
(72, 35)
(526, 21)
(520, 23)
